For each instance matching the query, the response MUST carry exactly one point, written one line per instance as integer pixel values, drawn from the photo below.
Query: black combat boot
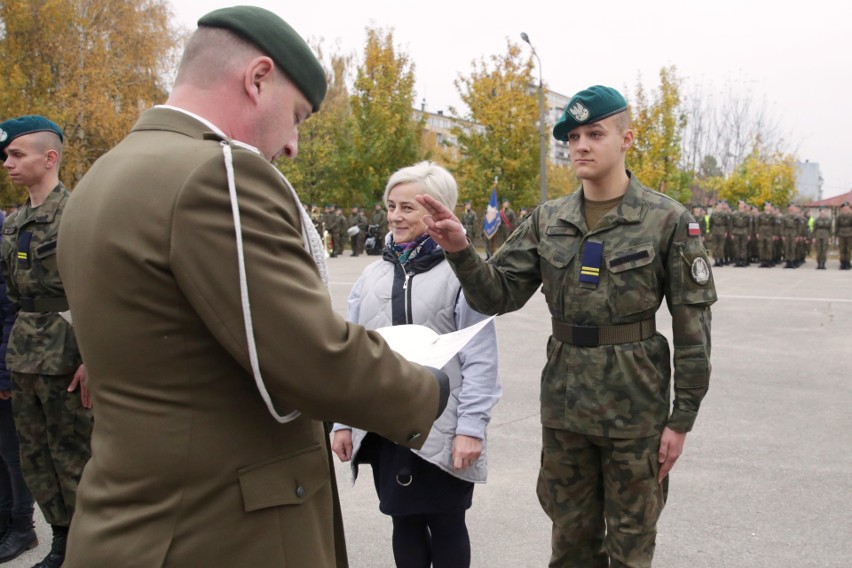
(19, 538)
(56, 556)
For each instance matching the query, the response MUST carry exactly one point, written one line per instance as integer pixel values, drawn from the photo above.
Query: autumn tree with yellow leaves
(385, 134)
(503, 142)
(89, 65)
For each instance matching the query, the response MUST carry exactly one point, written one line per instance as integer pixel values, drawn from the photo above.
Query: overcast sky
(794, 57)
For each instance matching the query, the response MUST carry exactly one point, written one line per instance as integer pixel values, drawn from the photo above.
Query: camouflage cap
(278, 40)
(588, 106)
(15, 127)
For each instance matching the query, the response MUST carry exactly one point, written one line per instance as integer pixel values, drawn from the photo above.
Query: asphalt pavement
(766, 477)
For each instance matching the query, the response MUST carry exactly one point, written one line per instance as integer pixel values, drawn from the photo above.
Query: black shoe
(18, 539)
(56, 556)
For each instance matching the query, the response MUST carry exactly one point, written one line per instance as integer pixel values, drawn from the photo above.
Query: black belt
(592, 336)
(59, 304)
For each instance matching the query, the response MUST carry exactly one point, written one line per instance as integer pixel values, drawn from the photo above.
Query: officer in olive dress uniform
(844, 235)
(605, 257)
(54, 423)
(199, 292)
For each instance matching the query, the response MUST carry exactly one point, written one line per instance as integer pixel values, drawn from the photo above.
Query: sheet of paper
(419, 344)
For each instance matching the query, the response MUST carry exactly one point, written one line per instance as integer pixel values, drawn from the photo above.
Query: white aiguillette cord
(241, 261)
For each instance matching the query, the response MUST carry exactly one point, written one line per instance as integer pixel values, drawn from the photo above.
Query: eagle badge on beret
(3, 135)
(579, 111)
(700, 271)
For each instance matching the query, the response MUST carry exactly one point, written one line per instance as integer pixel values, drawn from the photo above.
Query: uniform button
(300, 491)
(412, 437)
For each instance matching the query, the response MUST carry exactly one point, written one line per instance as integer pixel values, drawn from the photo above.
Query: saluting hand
(442, 225)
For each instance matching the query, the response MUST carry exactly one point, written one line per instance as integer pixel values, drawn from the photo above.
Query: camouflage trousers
(603, 498)
(54, 431)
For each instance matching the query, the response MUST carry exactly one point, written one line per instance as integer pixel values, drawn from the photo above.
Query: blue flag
(492, 216)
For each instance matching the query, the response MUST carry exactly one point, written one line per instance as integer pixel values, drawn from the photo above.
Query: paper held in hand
(419, 344)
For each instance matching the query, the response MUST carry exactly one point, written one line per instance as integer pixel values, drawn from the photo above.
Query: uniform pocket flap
(635, 257)
(557, 247)
(46, 249)
(290, 479)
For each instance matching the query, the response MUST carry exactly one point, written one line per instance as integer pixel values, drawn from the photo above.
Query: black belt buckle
(26, 304)
(585, 336)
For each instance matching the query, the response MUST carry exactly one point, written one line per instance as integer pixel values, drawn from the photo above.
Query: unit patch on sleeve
(700, 271)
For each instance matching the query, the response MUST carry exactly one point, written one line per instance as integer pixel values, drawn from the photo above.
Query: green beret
(594, 104)
(14, 127)
(278, 40)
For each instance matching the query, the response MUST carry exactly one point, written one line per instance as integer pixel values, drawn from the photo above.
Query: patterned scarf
(406, 252)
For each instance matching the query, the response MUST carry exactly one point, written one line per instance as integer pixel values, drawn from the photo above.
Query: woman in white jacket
(428, 491)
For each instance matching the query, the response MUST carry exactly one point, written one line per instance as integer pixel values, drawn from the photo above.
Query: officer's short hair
(431, 179)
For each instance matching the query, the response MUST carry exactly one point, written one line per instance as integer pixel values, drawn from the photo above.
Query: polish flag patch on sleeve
(694, 230)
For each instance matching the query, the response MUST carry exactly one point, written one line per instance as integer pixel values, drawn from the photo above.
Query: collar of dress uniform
(211, 126)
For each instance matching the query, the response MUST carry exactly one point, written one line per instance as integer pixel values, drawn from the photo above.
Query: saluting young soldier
(605, 257)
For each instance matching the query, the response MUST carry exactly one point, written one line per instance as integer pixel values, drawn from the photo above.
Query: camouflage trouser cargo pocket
(602, 497)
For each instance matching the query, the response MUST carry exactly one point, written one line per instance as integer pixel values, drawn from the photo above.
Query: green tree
(658, 122)
(89, 65)
(320, 169)
(385, 134)
(503, 140)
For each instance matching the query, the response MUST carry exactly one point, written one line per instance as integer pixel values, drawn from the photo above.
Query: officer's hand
(671, 446)
(341, 445)
(466, 451)
(5, 395)
(81, 379)
(442, 225)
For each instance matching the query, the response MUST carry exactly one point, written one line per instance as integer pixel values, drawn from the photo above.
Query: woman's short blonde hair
(431, 179)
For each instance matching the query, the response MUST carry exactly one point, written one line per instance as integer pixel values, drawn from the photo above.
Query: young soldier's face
(26, 161)
(598, 148)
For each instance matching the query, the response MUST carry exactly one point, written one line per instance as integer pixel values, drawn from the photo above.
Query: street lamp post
(542, 143)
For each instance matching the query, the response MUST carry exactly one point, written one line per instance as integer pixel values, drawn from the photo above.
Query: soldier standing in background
(753, 251)
(790, 236)
(720, 228)
(844, 235)
(604, 256)
(338, 231)
(822, 236)
(470, 222)
(777, 236)
(379, 218)
(740, 229)
(54, 422)
(327, 223)
(765, 235)
(358, 220)
(508, 222)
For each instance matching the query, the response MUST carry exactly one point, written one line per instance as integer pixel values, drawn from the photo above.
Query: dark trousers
(15, 497)
(439, 540)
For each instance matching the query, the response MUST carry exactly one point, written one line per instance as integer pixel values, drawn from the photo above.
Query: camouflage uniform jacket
(740, 223)
(41, 342)
(844, 224)
(720, 223)
(822, 228)
(620, 391)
